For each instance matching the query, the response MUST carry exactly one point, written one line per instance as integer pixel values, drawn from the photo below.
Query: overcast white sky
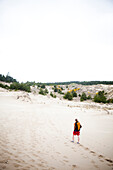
(56, 40)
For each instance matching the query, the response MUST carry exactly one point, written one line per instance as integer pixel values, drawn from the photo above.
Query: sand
(36, 133)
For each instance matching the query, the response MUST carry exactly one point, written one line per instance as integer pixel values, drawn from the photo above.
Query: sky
(56, 40)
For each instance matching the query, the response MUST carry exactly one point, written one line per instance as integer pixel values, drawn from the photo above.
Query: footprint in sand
(109, 160)
(101, 156)
(74, 167)
(94, 153)
(65, 160)
(106, 159)
(86, 148)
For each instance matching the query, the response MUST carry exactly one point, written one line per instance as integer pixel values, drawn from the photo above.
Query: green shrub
(68, 96)
(74, 93)
(62, 88)
(59, 91)
(55, 89)
(41, 91)
(19, 86)
(52, 95)
(43, 86)
(46, 91)
(100, 97)
(4, 86)
(38, 85)
(110, 101)
(83, 97)
(89, 97)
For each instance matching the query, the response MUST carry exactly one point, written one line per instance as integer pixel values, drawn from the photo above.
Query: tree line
(10, 79)
(7, 78)
(82, 83)
(14, 84)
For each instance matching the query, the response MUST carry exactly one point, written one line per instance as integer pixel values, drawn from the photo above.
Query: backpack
(79, 126)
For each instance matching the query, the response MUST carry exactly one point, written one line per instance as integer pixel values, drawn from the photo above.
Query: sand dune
(36, 133)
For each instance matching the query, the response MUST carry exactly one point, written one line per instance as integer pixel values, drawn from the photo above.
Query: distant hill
(82, 83)
(10, 79)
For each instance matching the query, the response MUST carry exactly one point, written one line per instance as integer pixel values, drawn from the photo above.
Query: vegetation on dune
(83, 97)
(43, 92)
(20, 86)
(4, 86)
(99, 97)
(55, 89)
(7, 78)
(58, 89)
(110, 101)
(68, 96)
(52, 95)
(89, 97)
(43, 86)
(74, 93)
(16, 86)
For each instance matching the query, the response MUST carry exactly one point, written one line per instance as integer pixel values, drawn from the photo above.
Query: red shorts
(76, 133)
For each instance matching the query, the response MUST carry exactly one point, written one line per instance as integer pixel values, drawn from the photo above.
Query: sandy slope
(36, 133)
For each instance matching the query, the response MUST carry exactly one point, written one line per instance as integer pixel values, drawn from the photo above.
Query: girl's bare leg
(73, 138)
(78, 139)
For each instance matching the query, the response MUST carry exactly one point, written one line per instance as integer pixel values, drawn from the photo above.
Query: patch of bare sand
(36, 134)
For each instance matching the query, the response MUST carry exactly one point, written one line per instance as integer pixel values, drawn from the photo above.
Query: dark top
(76, 127)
